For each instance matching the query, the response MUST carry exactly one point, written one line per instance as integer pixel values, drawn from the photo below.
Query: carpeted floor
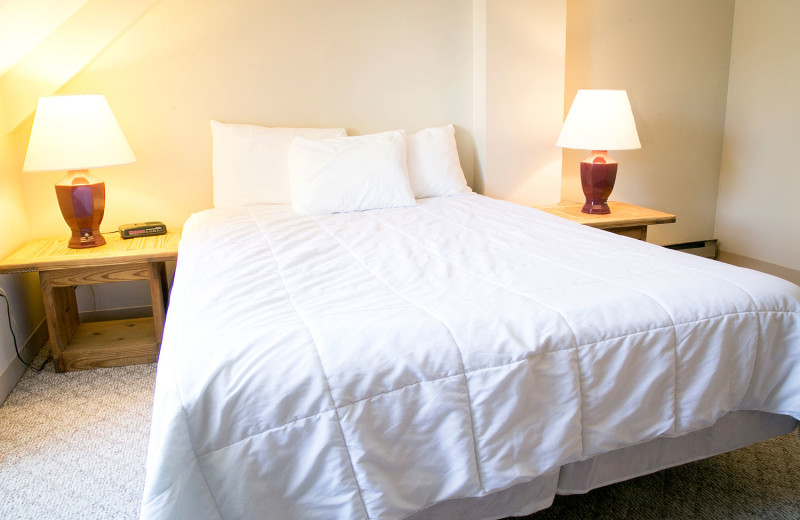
(73, 446)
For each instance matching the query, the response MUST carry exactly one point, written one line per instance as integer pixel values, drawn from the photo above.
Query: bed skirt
(733, 431)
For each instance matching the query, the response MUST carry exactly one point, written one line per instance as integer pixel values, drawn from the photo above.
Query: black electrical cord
(14, 336)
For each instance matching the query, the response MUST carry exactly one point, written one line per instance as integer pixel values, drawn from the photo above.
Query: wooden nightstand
(624, 219)
(78, 346)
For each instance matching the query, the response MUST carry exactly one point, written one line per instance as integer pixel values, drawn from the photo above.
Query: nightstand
(79, 346)
(624, 219)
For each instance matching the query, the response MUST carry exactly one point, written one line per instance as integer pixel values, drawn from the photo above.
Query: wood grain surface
(53, 253)
(622, 215)
(78, 346)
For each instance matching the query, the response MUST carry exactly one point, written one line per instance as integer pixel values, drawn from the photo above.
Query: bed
(449, 357)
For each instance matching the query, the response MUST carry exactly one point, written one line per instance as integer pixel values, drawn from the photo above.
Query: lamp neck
(78, 178)
(599, 157)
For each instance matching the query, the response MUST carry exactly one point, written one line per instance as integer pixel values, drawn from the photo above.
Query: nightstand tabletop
(53, 253)
(622, 215)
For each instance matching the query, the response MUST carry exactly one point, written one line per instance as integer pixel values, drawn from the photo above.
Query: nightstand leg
(158, 297)
(61, 313)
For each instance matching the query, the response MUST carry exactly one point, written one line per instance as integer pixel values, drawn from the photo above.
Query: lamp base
(598, 174)
(596, 207)
(82, 200)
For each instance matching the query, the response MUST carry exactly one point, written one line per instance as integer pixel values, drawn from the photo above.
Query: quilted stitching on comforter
(366, 365)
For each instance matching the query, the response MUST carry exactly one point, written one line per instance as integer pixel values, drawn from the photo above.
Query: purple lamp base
(82, 200)
(598, 174)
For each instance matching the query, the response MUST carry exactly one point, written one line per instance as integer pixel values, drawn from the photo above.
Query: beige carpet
(73, 446)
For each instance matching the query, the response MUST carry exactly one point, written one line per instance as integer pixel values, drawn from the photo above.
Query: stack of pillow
(322, 170)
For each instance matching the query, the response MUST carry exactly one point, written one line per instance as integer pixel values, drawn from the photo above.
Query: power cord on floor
(11, 323)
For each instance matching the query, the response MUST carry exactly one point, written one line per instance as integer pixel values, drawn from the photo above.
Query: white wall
(25, 23)
(12, 201)
(758, 215)
(22, 290)
(672, 57)
(520, 98)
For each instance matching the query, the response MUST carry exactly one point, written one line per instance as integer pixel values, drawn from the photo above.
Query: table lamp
(599, 120)
(75, 133)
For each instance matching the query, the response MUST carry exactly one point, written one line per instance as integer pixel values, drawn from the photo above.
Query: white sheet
(366, 365)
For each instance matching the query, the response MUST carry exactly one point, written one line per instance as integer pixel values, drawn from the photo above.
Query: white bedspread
(366, 365)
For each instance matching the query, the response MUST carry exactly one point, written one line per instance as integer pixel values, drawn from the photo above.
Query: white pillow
(349, 174)
(250, 162)
(433, 166)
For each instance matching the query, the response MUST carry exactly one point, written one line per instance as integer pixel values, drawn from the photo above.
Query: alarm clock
(143, 229)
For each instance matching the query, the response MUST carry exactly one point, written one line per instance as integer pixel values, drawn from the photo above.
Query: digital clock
(143, 229)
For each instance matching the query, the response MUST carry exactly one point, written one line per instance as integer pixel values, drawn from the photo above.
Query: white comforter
(366, 365)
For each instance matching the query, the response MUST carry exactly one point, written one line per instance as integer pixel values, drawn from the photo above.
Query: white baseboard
(13, 372)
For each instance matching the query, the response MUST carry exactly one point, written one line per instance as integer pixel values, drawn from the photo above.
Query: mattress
(372, 364)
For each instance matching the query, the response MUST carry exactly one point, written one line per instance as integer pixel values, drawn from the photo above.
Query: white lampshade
(600, 120)
(75, 133)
